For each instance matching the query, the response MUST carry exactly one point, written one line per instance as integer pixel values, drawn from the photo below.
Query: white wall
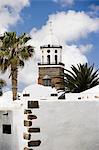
(18, 127)
(13, 141)
(64, 125)
(67, 125)
(6, 140)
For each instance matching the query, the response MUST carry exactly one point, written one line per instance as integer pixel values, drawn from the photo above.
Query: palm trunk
(14, 73)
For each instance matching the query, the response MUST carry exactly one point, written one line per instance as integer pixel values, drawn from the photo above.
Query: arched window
(47, 80)
(48, 51)
(55, 59)
(55, 51)
(48, 59)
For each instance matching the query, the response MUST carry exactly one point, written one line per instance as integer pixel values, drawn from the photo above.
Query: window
(47, 82)
(54, 94)
(6, 129)
(48, 59)
(55, 51)
(55, 59)
(48, 51)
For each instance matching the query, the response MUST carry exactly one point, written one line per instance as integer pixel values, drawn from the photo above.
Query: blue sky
(75, 24)
(36, 14)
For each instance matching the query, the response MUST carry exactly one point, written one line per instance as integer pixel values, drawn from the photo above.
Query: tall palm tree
(81, 78)
(14, 51)
(2, 84)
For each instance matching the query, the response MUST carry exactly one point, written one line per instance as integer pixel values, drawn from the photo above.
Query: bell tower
(51, 68)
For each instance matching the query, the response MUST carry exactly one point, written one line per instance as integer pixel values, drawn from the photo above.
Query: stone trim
(34, 143)
(51, 46)
(26, 95)
(27, 123)
(33, 104)
(33, 130)
(25, 148)
(31, 117)
(27, 111)
(26, 136)
(51, 65)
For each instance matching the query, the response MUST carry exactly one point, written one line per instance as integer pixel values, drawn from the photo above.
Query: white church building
(39, 120)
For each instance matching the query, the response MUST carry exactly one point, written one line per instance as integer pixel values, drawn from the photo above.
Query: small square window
(6, 129)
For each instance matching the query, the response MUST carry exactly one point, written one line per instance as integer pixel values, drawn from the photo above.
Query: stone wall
(56, 74)
(30, 129)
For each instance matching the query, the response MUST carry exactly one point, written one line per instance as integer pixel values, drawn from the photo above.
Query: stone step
(25, 148)
(34, 143)
(26, 95)
(26, 136)
(27, 111)
(33, 130)
(27, 123)
(33, 104)
(31, 117)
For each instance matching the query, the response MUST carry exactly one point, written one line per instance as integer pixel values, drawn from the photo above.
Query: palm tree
(2, 84)
(81, 78)
(14, 51)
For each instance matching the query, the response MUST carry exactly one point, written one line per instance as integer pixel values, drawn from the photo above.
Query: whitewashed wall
(52, 55)
(67, 125)
(13, 141)
(64, 125)
(7, 141)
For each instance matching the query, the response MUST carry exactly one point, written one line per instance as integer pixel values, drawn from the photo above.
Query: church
(39, 120)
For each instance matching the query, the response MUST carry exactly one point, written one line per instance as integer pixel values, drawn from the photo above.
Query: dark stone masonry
(33, 130)
(33, 104)
(27, 136)
(28, 148)
(27, 111)
(27, 123)
(31, 117)
(26, 95)
(34, 143)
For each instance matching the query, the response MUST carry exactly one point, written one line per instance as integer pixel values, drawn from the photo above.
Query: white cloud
(64, 2)
(72, 55)
(29, 74)
(69, 26)
(10, 12)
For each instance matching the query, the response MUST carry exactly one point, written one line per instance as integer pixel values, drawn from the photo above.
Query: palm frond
(81, 78)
